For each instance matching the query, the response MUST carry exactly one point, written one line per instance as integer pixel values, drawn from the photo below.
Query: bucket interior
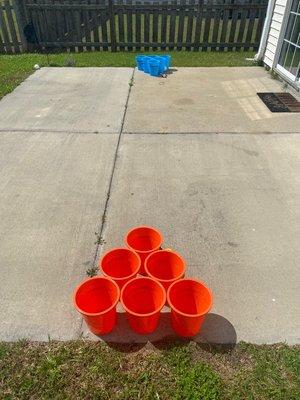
(120, 263)
(143, 296)
(144, 239)
(190, 297)
(96, 295)
(165, 265)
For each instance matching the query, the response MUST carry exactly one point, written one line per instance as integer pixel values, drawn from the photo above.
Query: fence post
(21, 21)
(112, 25)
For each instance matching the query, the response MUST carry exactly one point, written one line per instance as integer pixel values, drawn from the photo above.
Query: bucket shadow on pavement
(215, 330)
(171, 71)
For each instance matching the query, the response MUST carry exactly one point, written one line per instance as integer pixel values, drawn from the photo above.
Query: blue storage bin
(154, 67)
(140, 62)
(168, 60)
(159, 67)
(146, 64)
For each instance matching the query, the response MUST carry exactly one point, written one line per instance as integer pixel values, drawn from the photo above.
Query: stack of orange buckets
(145, 278)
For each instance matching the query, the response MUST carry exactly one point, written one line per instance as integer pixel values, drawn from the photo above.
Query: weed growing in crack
(92, 271)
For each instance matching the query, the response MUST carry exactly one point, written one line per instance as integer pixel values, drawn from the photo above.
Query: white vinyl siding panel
(278, 17)
(281, 3)
(279, 9)
(272, 40)
(275, 27)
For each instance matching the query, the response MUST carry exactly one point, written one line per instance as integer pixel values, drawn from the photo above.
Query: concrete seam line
(6, 130)
(103, 219)
(211, 133)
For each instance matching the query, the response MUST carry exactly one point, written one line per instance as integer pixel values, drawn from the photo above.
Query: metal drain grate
(280, 102)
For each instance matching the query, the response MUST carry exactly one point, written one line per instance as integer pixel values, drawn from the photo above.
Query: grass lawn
(181, 371)
(14, 69)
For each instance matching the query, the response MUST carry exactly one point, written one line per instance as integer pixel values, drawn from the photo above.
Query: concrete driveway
(228, 203)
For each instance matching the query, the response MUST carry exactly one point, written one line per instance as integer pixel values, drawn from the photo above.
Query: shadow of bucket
(165, 266)
(143, 240)
(190, 300)
(121, 265)
(96, 299)
(143, 299)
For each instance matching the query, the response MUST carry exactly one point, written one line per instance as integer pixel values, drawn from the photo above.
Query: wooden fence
(79, 25)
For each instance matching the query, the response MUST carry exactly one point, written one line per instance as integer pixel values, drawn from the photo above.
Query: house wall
(274, 32)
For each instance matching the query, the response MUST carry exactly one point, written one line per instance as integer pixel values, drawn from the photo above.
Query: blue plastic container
(154, 67)
(168, 60)
(143, 63)
(140, 62)
(162, 64)
(146, 64)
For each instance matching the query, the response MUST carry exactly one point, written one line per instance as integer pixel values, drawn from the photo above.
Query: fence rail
(128, 25)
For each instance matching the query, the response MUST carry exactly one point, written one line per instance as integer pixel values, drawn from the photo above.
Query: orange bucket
(96, 299)
(143, 298)
(120, 264)
(190, 300)
(165, 266)
(143, 240)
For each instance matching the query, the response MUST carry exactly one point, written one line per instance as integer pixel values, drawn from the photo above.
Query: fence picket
(252, 15)
(13, 33)
(94, 17)
(120, 26)
(146, 28)
(138, 28)
(155, 29)
(242, 26)
(190, 24)
(129, 25)
(3, 24)
(103, 17)
(1, 43)
(216, 25)
(225, 19)
(207, 26)
(164, 22)
(172, 26)
(233, 25)
(260, 24)
(198, 28)
(181, 17)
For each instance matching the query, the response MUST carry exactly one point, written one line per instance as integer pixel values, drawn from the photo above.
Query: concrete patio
(84, 152)
(201, 100)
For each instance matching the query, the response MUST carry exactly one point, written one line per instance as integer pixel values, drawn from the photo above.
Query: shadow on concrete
(171, 71)
(216, 332)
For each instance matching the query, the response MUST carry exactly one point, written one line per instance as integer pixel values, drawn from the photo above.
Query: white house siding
(275, 27)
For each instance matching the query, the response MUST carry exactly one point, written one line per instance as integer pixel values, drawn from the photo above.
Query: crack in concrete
(103, 219)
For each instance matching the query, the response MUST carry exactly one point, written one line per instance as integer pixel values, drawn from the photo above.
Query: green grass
(163, 371)
(15, 68)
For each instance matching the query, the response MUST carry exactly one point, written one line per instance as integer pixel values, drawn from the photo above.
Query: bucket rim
(145, 314)
(165, 280)
(123, 277)
(147, 227)
(183, 313)
(101, 312)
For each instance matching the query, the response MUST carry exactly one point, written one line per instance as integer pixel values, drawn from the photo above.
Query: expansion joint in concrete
(104, 215)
